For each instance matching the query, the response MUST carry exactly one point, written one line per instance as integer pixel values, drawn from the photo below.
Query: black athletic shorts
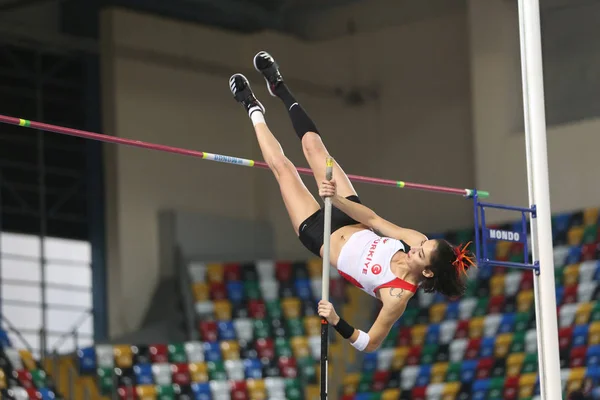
(311, 229)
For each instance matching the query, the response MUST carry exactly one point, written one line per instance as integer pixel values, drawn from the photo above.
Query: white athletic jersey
(365, 259)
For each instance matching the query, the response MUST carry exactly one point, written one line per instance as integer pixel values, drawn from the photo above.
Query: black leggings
(311, 229)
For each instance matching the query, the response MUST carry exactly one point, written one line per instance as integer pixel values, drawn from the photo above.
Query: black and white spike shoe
(266, 65)
(242, 92)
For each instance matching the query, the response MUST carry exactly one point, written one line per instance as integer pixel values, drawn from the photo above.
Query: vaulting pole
(325, 286)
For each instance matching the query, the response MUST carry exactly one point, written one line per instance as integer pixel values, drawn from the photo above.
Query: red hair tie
(463, 261)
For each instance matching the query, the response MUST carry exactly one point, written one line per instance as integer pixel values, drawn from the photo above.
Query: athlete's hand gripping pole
(325, 287)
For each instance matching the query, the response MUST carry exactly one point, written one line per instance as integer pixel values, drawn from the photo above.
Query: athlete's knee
(280, 164)
(313, 145)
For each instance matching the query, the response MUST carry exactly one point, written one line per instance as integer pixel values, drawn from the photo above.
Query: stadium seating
(485, 344)
(22, 377)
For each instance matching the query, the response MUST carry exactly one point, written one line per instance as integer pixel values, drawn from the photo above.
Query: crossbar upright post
(325, 285)
(539, 194)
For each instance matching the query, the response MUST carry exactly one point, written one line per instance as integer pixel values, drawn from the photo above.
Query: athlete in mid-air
(384, 260)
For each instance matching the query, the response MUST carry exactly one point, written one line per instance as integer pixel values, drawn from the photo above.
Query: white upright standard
(539, 194)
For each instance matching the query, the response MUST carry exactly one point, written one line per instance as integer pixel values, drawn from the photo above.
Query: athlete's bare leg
(300, 204)
(312, 145)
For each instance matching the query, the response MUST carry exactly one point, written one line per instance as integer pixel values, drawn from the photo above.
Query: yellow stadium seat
(571, 274)
(350, 383)
(28, 360)
(418, 333)
(291, 307)
(315, 266)
(503, 250)
(300, 347)
(215, 273)
(451, 390)
(399, 359)
(527, 385)
(575, 379)
(497, 285)
(582, 315)
(2, 379)
(230, 349)
(524, 300)
(312, 392)
(312, 325)
(476, 327)
(503, 342)
(438, 372)
(391, 394)
(575, 235)
(256, 389)
(594, 333)
(123, 356)
(201, 291)
(222, 310)
(146, 392)
(437, 313)
(514, 364)
(198, 372)
(590, 216)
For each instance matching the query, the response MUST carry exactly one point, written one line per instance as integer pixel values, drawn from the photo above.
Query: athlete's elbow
(372, 347)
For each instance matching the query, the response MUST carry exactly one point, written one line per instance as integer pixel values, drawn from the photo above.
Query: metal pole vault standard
(325, 286)
(539, 194)
(226, 159)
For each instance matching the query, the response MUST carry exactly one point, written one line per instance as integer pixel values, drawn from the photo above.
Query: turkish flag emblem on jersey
(376, 269)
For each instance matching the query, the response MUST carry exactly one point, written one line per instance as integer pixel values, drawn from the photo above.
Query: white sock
(256, 116)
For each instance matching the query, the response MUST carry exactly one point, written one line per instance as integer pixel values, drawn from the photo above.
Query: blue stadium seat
(468, 369)
(226, 330)
(4, 339)
(424, 375)
(369, 362)
(86, 359)
(212, 351)
(507, 323)
(46, 394)
(574, 255)
(303, 289)
(560, 290)
(480, 389)
(433, 334)
(580, 335)
(235, 291)
(593, 356)
(453, 310)
(560, 223)
(143, 374)
(487, 347)
(201, 391)
(253, 368)
(362, 396)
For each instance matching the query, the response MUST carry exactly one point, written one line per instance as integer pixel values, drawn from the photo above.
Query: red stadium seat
(284, 271)
(25, 378)
(380, 380)
(404, 337)
(588, 251)
(472, 350)
(127, 393)
(577, 357)
(511, 388)
(181, 373)
(33, 393)
(257, 309)
(239, 390)
(570, 294)
(232, 272)
(496, 304)
(462, 329)
(419, 393)
(208, 331)
(414, 355)
(564, 337)
(526, 281)
(336, 288)
(287, 366)
(159, 353)
(218, 291)
(484, 367)
(265, 348)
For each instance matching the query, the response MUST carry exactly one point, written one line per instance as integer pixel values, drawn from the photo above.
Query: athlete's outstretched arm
(364, 341)
(368, 217)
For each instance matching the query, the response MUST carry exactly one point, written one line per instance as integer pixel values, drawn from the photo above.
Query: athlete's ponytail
(449, 265)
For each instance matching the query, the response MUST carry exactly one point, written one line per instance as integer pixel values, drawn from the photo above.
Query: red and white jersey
(365, 261)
